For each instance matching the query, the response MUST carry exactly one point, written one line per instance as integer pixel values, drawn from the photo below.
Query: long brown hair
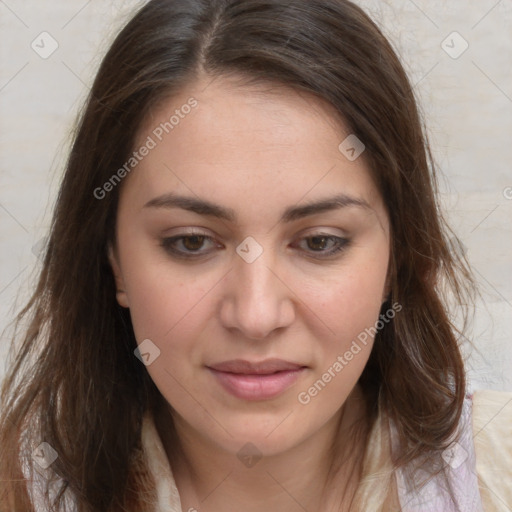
(74, 381)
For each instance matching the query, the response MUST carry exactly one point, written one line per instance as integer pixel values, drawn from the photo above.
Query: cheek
(351, 301)
(163, 305)
(171, 311)
(162, 298)
(350, 307)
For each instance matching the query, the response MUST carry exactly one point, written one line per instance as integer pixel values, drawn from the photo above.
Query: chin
(268, 438)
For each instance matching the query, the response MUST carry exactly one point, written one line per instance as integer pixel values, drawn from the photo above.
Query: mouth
(256, 380)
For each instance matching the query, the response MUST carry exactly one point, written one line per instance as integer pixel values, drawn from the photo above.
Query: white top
(478, 466)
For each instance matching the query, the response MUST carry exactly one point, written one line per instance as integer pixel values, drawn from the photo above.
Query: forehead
(247, 144)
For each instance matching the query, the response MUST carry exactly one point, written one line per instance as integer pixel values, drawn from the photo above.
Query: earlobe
(121, 296)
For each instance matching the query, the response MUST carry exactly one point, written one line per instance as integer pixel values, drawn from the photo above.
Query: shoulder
(492, 434)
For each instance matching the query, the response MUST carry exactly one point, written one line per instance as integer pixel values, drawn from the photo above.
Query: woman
(242, 299)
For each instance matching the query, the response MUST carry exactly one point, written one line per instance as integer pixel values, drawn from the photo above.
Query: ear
(121, 295)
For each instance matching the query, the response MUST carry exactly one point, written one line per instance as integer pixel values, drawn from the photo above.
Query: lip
(265, 367)
(256, 380)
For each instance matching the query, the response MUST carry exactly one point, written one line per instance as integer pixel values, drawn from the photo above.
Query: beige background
(467, 103)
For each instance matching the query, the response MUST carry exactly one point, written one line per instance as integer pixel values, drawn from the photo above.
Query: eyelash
(168, 245)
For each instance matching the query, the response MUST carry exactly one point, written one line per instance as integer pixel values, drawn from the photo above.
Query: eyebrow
(292, 213)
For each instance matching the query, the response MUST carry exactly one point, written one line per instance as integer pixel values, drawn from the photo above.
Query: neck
(319, 474)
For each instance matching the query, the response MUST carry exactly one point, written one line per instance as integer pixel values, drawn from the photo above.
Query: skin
(256, 151)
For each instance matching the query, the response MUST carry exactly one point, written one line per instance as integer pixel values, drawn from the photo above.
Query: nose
(257, 300)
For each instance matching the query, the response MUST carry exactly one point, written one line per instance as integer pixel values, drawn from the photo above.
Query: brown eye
(318, 242)
(187, 245)
(325, 245)
(193, 243)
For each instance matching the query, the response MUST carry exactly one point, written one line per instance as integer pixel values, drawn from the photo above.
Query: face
(218, 260)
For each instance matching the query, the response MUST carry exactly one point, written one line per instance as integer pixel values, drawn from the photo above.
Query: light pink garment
(459, 463)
